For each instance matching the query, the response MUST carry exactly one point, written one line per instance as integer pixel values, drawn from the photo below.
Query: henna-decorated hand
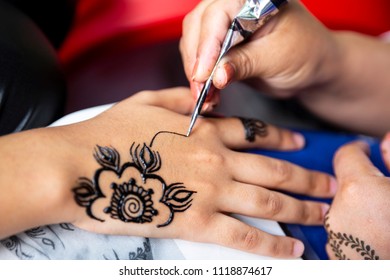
(357, 222)
(124, 172)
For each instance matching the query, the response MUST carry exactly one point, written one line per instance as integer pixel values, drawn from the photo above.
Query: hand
(357, 223)
(292, 52)
(212, 179)
(119, 174)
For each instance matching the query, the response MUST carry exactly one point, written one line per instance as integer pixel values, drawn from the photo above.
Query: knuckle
(306, 215)
(274, 204)
(211, 158)
(275, 249)
(146, 96)
(282, 171)
(351, 189)
(246, 64)
(342, 151)
(250, 240)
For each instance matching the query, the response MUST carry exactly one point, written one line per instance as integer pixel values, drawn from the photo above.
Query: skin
(360, 207)
(340, 76)
(293, 55)
(38, 179)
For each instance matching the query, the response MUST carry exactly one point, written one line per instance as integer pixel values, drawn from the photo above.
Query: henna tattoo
(146, 161)
(164, 131)
(338, 240)
(253, 127)
(177, 198)
(131, 202)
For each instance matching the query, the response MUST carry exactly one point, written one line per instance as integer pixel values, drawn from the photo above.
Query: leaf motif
(85, 192)
(146, 160)
(178, 198)
(107, 157)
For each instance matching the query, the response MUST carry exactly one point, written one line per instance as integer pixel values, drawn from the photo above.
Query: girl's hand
(134, 177)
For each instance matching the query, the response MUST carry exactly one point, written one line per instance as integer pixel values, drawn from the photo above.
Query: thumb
(351, 162)
(385, 148)
(240, 63)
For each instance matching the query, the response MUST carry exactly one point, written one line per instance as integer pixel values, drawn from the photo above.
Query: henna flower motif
(107, 157)
(146, 160)
(131, 203)
(177, 198)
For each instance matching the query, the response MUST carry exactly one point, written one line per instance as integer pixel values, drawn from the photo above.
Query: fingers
(263, 203)
(215, 23)
(204, 30)
(177, 99)
(351, 161)
(245, 133)
(190, 38)
(280, 175)
(385, 148)
(229, 232)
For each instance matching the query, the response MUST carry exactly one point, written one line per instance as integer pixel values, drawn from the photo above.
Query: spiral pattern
(133, 207)
(131, 203)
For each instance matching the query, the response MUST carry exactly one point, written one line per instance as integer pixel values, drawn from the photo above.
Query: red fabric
(133, 23)
(141, 21)
(367, 16)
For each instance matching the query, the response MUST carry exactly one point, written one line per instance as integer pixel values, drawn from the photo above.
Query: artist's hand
(357, 222)
(190, 185)
(291, 53)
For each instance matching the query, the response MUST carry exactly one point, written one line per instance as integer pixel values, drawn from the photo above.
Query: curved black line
(164, 131)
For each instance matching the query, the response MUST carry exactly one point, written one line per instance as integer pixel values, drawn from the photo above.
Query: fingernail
(333, 185)
(196, 88)
(324, 210)
(224, 74)
(206, 107)
(299, 140)
(298, 249)
(195, 69)
(385, 146)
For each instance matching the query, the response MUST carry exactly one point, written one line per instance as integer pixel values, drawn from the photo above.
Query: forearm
(35, 177)
(357, 97)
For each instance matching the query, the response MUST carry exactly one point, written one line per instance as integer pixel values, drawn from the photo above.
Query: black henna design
(146, 160)
(177, 198)
(129, 201)
(253, 127)
(85, 194)
(164, 131)
(338, 240)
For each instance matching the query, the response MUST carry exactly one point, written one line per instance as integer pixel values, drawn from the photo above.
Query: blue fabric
(318, 155)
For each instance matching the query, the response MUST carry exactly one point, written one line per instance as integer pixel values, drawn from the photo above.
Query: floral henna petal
(107, 157)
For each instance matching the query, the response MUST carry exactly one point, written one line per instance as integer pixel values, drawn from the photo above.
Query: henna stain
(253, 127)
(129, 201)
(338, 240)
